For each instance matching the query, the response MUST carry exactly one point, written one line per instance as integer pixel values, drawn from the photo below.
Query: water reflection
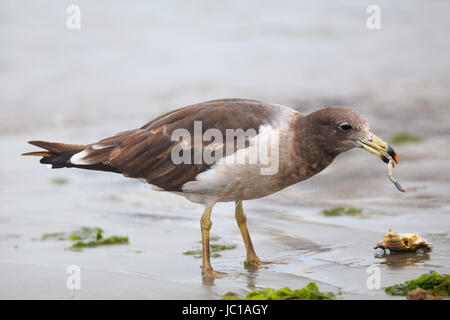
(251, 278)
(402, 259)
(248, 277)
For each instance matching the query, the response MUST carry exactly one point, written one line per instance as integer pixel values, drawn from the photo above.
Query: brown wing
(146, 152)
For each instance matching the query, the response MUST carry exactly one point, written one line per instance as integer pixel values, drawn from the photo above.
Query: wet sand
(79, 87)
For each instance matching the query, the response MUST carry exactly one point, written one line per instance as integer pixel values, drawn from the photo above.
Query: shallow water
(80, 86)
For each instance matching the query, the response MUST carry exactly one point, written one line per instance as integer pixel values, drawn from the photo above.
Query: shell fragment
(408, 242)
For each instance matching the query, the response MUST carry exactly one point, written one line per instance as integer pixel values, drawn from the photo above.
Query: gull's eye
(345, 127)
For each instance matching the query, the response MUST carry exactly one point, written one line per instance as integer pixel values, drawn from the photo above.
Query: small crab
(407, 242)
(391, 165)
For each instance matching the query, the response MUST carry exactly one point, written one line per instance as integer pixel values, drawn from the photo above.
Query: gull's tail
(58, 155)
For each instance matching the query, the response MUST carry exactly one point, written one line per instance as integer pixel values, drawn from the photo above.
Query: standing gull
(297, 147)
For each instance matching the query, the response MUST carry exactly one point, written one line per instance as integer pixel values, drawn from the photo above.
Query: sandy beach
(129, 64)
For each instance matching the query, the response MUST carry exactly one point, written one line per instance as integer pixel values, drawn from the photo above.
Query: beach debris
(309, 292)
(391, 165)
(407, 242)
(432, 283)
(231, 294)
(420, 294)
(341, 211)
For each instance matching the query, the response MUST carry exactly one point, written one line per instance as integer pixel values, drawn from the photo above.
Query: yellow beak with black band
(379, 148)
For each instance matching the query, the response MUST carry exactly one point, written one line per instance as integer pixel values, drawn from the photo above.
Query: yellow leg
(205, 224)
(241, 219)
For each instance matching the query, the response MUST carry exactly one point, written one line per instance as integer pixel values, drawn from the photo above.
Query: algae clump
(54, 236)
(214, 249)
(341, 211)
(101, 242)
(86, 237)
(60, 181)
(94, 238)
(433, 281)
(214, 238)
(197, 253)
(405, 137)
(80, 234)
(309, 292)
(87, 233)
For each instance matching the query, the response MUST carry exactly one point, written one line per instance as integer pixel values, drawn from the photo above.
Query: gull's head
(338, 129)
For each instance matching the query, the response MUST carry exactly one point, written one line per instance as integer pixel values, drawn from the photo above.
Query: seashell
(409, 242)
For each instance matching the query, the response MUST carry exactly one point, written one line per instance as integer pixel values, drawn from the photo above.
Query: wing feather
(145, 153)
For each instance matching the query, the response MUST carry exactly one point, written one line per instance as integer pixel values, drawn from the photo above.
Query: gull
(224, 150)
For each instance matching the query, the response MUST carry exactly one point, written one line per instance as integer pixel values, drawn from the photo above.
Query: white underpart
(228, 180)
(151, 186)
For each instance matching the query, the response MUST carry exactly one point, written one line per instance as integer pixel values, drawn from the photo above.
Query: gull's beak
(378, 147)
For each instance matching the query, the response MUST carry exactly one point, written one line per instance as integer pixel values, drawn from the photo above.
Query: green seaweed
(80, 234)
(309, 292)
(101, 242)
(341, 211)
(87, 233)
(221, 247)
(433, 281)
(59, 181)
(198, 253)
(214, 249)
(54, 236)
(214, 238)
(193, 252)
(86, 237)
(405, 137)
